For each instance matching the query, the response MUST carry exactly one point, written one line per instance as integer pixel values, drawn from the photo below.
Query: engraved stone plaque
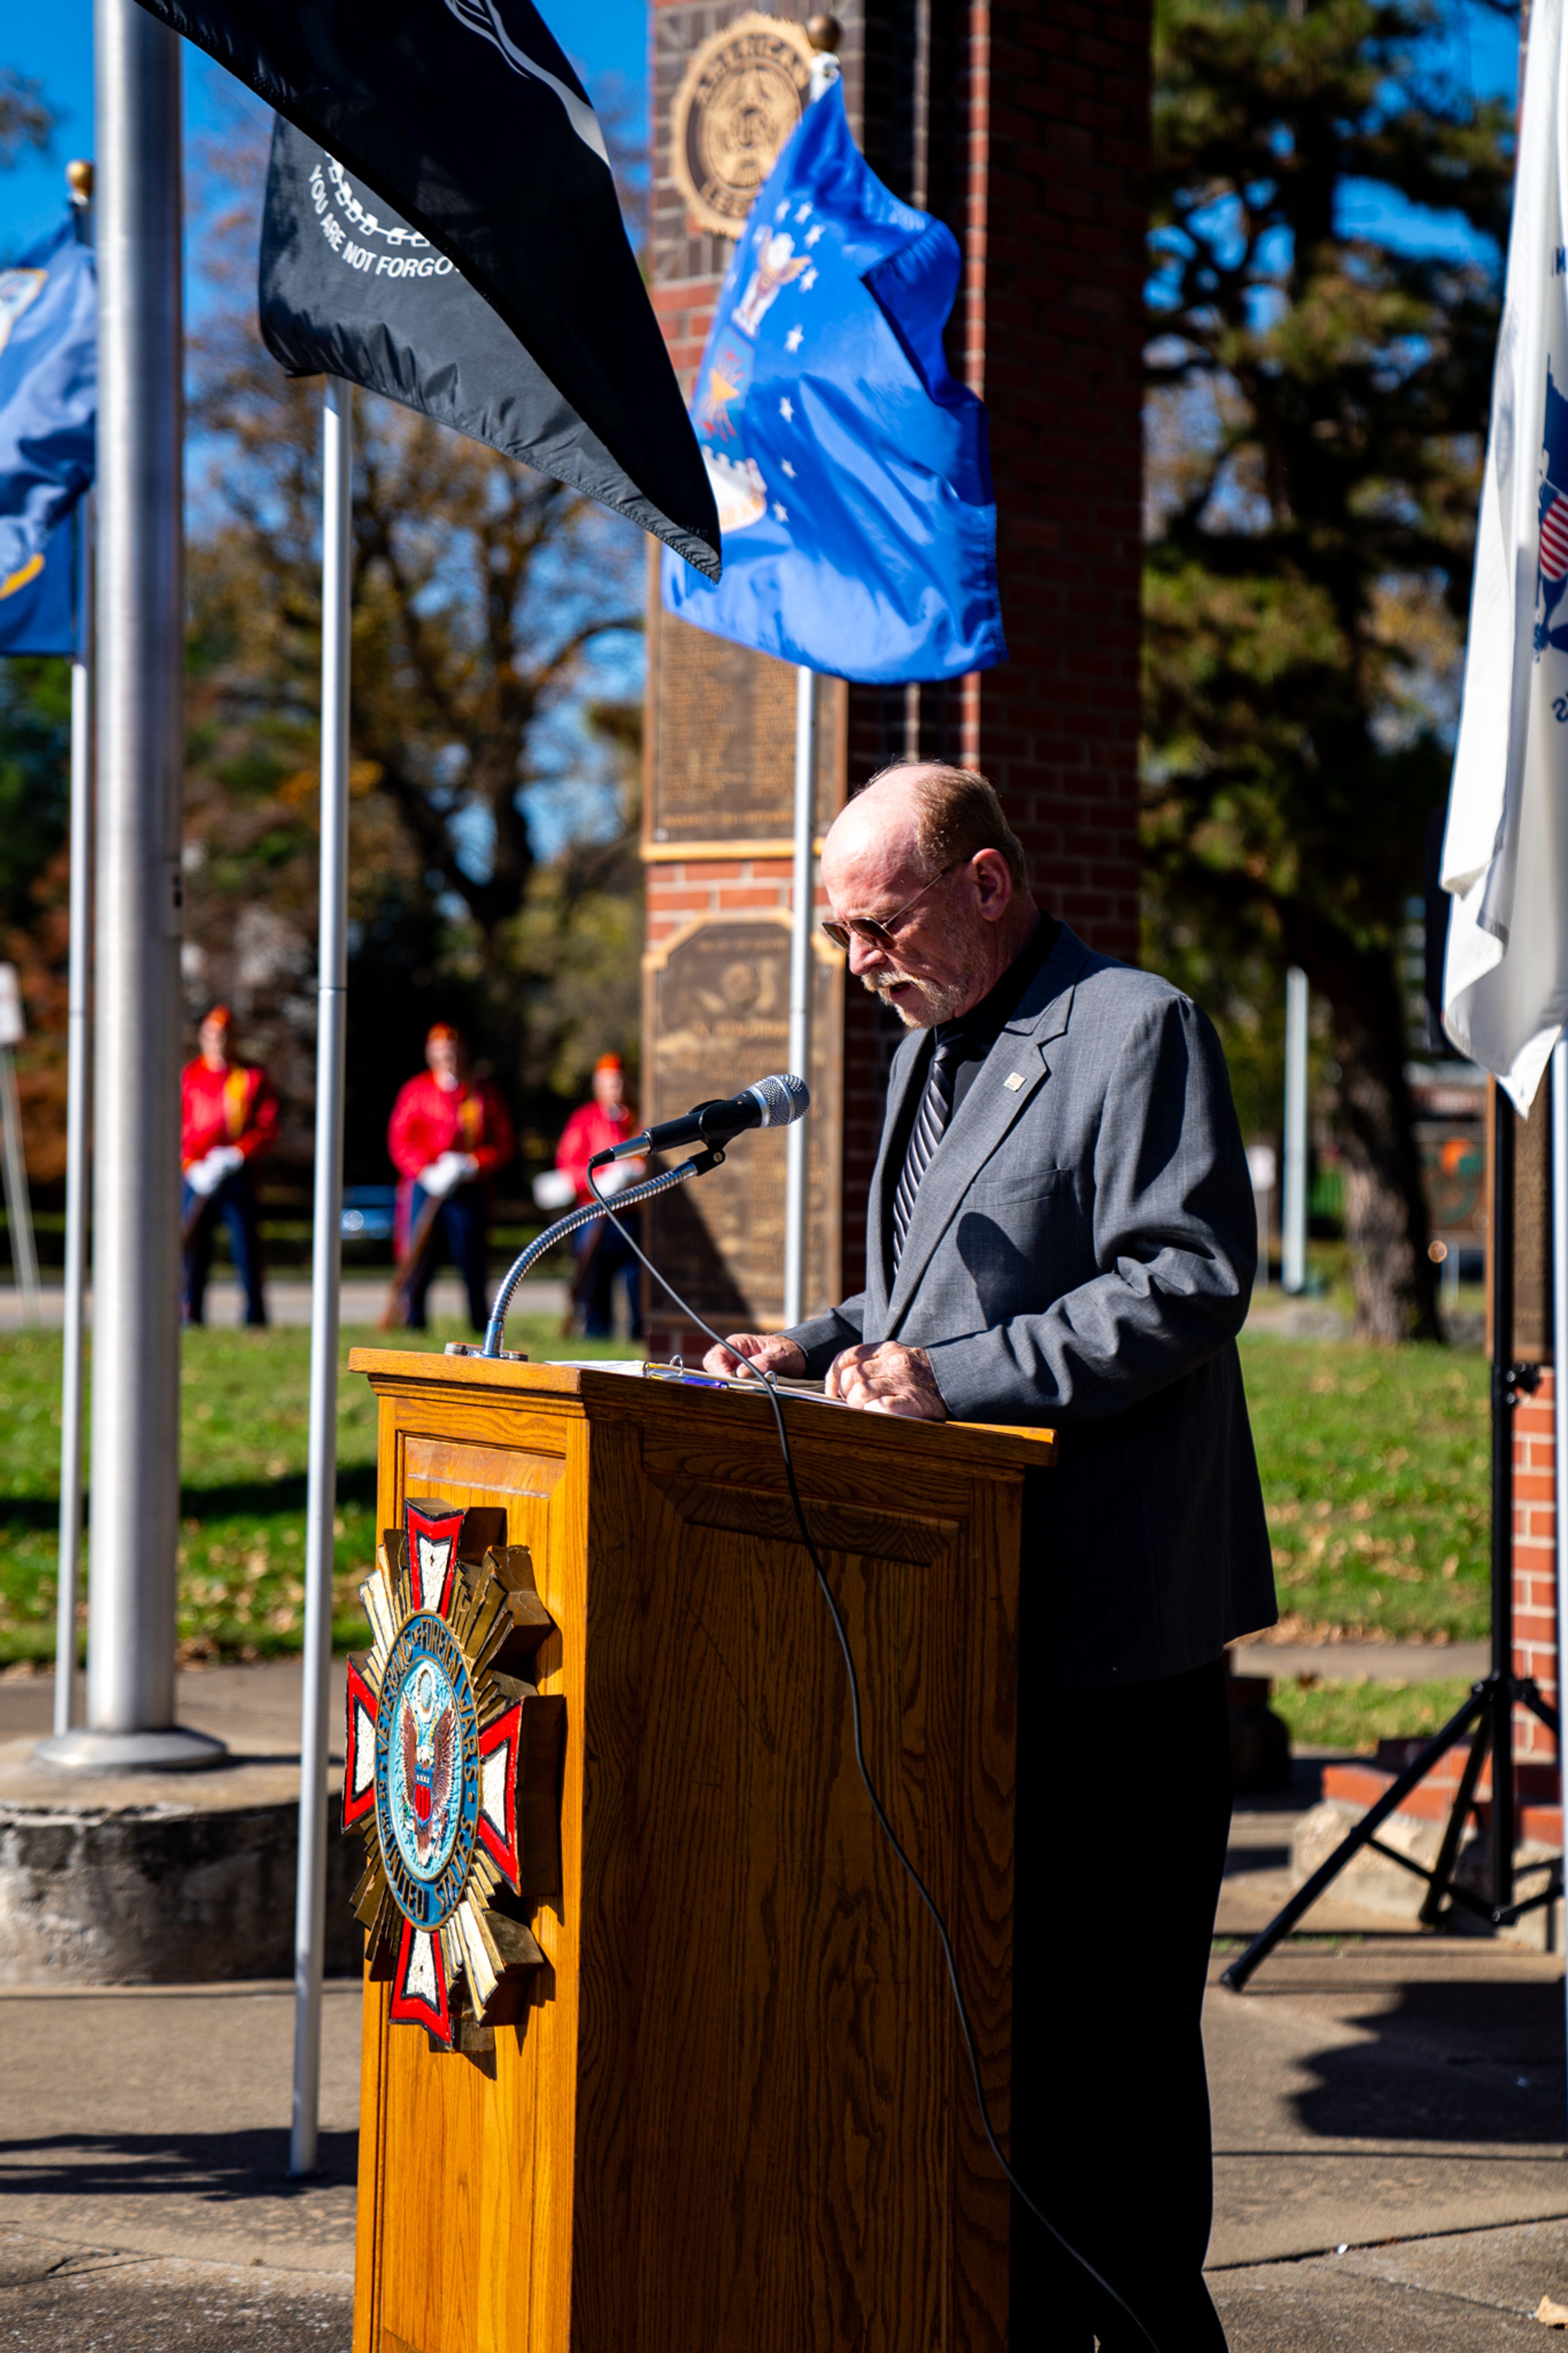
(718, 1017)
(742, 94)
(721, 743)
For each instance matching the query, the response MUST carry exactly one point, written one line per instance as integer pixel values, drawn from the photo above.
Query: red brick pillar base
(1534, 1561)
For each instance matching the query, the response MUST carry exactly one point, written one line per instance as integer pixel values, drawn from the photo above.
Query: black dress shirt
(980, 1028)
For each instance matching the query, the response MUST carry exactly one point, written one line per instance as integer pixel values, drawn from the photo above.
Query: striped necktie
(930, 1125)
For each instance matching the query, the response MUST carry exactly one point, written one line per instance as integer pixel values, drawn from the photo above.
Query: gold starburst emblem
(447, 1756)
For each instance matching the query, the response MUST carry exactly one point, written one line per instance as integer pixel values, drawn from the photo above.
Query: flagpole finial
(824, 33)
(79, 180)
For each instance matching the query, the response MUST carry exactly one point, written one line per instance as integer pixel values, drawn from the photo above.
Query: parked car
(367, 1212)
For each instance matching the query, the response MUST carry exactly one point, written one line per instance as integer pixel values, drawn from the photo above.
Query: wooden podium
(736, 2116)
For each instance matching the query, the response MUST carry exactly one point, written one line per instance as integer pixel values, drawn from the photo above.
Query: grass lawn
(1358, 1716)
(1375, 1466)
(1374, 1469)
(243, 1398)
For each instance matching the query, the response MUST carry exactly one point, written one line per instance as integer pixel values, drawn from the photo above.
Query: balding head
(880, 828)
(926, 850)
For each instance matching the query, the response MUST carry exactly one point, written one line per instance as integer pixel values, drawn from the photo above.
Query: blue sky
(53, 44)
(608, 41)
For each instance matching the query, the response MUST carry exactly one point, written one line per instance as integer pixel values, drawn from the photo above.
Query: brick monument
(1025, 128)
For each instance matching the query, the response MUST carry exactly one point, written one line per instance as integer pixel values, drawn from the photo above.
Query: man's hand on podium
(886, 1379)
(764, 1350)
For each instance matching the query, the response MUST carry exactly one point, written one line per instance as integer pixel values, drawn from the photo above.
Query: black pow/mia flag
(347, 288)
(423, 133)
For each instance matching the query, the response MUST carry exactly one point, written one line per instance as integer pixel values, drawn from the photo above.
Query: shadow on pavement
(221, 2168)
(1462, 2059)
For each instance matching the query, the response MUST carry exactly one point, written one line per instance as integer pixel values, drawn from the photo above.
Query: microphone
(776, 1101)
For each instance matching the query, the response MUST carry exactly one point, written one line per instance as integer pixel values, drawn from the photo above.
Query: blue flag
(37, 603)
(48, 393)
(851, 471)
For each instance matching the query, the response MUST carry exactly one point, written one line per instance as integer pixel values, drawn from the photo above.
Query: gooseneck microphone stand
(651, 1186)
(1486, 1714)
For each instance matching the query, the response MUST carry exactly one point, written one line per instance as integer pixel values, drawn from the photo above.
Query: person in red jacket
(447, 1135)
(603, 1250)
(228, 1116)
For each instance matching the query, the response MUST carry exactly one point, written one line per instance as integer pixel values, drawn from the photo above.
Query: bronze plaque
(718, 1017)
(742, 95)
(720, 745)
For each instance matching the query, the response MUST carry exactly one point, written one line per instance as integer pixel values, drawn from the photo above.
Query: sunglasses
(880, 934)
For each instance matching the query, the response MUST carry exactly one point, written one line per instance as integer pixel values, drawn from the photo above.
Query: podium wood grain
(737, 2116)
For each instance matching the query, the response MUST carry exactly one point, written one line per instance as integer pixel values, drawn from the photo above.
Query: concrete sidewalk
(254, 1709)
(144, 2146)
(361, 1300)
(144, 2130)
(1354, 1662)
(1396, 2095)
(1465, 2294)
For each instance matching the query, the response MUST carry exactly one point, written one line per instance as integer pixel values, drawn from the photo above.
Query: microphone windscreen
(784, 1099)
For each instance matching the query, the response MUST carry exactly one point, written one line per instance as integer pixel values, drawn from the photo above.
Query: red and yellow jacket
(234, 1106)
(426, 1120)
(593, 1127)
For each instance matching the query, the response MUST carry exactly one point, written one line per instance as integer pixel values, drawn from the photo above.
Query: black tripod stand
(1488, 1713)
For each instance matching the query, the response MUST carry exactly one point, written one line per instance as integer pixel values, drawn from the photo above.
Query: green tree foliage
(1319, 393)
(27, 118)
(35, 692)
(483, 595)
(34, 791)
(34, 774)
(35, 751)
(483, 718)
(479, 589)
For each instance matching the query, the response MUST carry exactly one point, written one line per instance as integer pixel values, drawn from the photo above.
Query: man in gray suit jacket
(1062, 1231)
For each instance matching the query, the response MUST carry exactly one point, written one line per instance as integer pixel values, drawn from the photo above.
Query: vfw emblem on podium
(446, 1757)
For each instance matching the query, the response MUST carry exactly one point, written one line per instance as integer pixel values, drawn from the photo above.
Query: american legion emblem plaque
(743, 91)
(452, 1773)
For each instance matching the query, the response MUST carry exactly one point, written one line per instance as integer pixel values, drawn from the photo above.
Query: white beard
(937, 1003)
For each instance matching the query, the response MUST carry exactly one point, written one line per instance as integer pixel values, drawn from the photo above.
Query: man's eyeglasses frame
(881, 935)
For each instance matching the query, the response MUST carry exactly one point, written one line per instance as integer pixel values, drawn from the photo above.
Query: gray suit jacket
(1081, 1254)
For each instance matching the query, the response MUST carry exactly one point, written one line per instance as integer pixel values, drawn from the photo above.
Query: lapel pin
(1013, 1082)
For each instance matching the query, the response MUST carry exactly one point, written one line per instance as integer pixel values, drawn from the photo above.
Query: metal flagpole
(77, 1067)
(18, 1208)
(803, 901)
(140, 663)
(320, 1504)
(919, 147)
(1293, 1202)
(78, 176)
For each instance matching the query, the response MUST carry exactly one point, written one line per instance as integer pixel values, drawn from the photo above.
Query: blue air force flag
(48, 393)
(37, 603)
(851, 472)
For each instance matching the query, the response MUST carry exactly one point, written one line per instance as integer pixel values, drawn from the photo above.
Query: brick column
(1038, 155)
(712, 886)
(1036, 147)
(1535, 1560)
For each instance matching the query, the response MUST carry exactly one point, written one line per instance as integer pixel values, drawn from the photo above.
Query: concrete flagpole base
(175, 1750)
(114, 1876)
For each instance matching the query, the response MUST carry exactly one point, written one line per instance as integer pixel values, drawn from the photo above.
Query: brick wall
(1056, 206)
(1036, 158)
(1534, 1561)
(1038, 165)
(712, 886)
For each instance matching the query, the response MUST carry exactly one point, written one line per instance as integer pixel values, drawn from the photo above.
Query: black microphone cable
(767, 1381)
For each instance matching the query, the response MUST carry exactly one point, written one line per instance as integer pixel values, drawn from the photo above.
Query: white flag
(1505, 849)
